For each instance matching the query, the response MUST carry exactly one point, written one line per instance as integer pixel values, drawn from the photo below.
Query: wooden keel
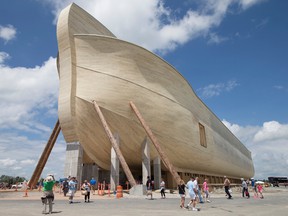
(115, 146)
(161, 153)
(45, 155)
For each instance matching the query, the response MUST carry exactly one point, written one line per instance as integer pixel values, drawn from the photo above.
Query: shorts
(182, 195)
(71, 193)
(192, 196)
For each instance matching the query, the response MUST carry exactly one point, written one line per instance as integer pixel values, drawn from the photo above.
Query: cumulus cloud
(216, 89)
(7, 33)
(268, 144)
(154, 25)
(3, 57)
(25, 92)
(272, 130)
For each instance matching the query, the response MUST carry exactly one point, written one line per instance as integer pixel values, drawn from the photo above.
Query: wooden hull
(95, 65)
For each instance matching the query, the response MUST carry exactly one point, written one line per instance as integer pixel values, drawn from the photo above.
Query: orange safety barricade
(101, 191)
(119, 191)
(98, 189)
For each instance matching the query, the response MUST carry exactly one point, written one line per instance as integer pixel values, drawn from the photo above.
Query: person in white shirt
(72, 189)
(162, 189)
(192, 193)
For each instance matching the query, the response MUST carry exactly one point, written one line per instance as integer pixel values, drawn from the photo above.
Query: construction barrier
(108, 190)
(98, 189)
(119, 191)
(101, 189)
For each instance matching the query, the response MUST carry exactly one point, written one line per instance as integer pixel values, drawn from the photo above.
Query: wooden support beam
(161, 153)
(45, 155)
(115, 146)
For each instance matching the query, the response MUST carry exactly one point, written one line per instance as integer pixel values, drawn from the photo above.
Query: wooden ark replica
(94, 65)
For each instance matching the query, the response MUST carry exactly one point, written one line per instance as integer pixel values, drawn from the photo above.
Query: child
(260, 189)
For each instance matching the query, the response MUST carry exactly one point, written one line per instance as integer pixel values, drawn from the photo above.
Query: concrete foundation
(138, 190)
(146, 170)
(114, 170)
(157, 172)
(74, 160)
(89, 171)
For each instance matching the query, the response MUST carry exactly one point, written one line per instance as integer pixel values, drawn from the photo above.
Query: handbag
(84, 192)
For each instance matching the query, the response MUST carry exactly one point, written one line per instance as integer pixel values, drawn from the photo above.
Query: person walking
(198, 190)
(245, 191)
(149, 187)
(227, 187)
(193, 194)
(162, 189)
(260, 190)
(87, 188)
(181, 190)
(254, 187)
(93, 185)
(206, 190)
(65, 187)
(72, 189)
(48, 195)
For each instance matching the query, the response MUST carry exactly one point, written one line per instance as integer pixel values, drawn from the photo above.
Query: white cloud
(26, 152)
(152, 24)
(216, 39)
(272, 131)
(7, 162)
(27, 162)
(245, 4)
(216, 89)
(25, 92)
(7, 32)
(268, 145)
(3, 57)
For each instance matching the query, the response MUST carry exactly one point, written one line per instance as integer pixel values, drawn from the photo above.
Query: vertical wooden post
(45, 155)
(161, 153)
(115, 146)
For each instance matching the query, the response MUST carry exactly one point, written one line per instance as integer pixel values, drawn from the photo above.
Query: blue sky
(233, 53)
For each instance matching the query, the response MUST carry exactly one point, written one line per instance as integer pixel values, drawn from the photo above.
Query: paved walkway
(274, 203)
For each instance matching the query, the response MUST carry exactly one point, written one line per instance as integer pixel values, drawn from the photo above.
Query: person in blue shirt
(93, 185)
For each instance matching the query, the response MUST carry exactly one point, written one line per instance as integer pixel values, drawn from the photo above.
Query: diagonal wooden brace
(161, 153)
(115, 146)
(45, 155)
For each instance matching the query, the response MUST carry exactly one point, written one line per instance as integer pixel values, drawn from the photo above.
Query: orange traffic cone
(25, 193)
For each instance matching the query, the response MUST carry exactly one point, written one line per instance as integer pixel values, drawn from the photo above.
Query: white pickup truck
(18, 186)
